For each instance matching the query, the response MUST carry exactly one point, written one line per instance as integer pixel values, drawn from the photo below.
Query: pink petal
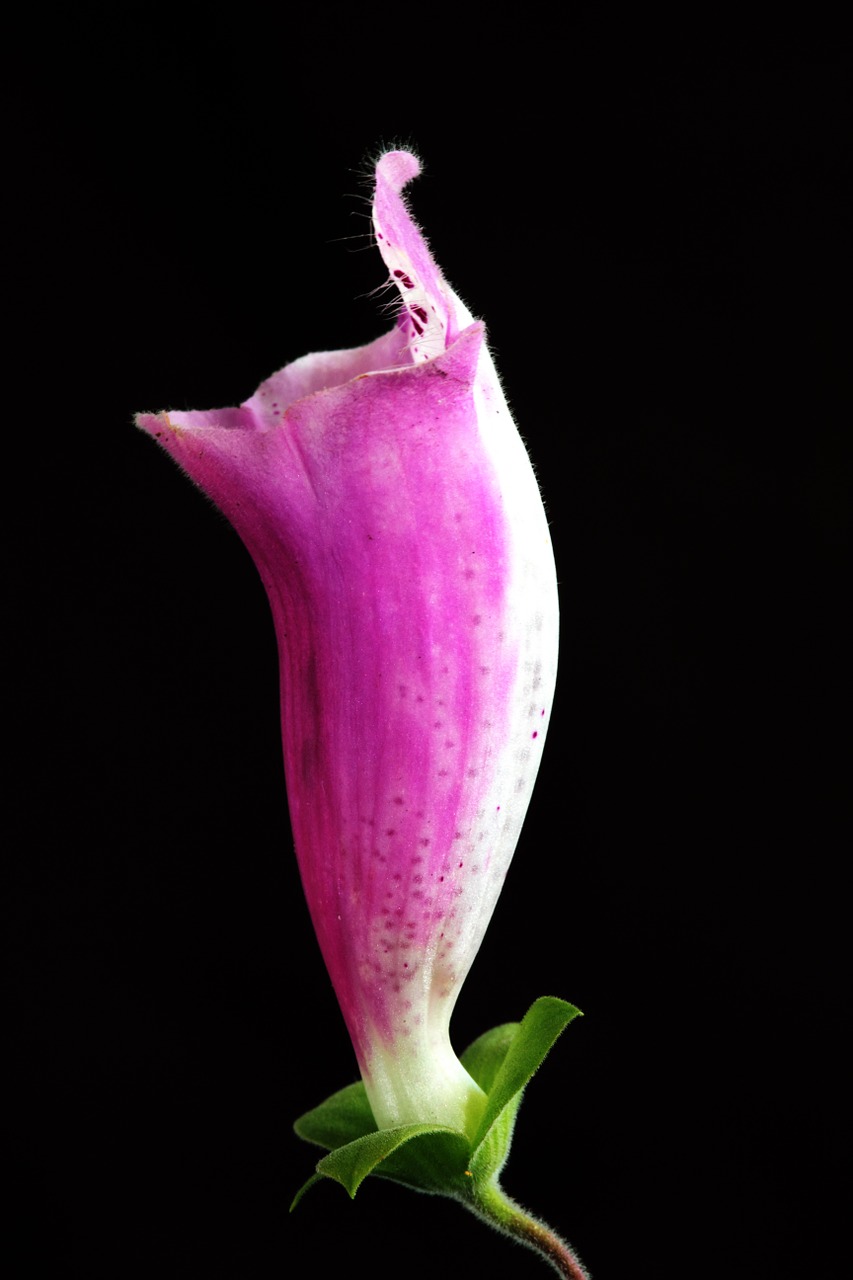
(390, 506)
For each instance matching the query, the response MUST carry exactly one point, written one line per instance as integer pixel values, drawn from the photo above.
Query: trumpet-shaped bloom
(391, 509)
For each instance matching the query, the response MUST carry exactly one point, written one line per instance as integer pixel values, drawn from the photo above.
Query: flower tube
(392, 511)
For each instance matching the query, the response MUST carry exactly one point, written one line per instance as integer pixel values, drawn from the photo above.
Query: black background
(653, 224)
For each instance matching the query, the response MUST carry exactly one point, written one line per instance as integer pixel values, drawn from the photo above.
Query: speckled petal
(390, 506)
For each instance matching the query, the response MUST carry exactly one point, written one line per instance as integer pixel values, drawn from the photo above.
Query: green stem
(491, 1203)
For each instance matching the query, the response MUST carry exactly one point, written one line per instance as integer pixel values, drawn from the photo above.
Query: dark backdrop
(652, 224)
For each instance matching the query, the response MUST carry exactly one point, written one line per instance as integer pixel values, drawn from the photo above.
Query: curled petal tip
(152, 423)
(397, 168)
(428, 309)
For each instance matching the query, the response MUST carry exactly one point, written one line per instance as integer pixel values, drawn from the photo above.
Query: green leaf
(344, 1123)
(544, 1021)
(546, 1018)
(342, 1118)
(437, 1167)
(484, 1058)
(433, 1162)
(306, 1186)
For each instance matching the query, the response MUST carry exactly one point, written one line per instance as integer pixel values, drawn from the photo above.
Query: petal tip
(397, 168)
(153, 423)
(146, 422)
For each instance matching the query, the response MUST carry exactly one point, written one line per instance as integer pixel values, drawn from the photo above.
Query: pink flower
(392, 511)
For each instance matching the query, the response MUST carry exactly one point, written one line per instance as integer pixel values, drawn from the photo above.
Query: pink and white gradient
(392, 511)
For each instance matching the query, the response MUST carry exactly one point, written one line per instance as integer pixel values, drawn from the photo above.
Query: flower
(392, 511)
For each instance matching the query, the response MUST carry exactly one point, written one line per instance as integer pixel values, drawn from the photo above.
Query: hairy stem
(493, 1205)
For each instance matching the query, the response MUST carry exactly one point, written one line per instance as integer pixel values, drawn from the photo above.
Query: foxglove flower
(392, 511)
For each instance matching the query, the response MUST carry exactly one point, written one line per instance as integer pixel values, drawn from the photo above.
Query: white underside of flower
(413, 1082)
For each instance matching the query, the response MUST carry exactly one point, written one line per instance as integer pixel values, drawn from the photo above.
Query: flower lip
(330, 371)
(430, 322)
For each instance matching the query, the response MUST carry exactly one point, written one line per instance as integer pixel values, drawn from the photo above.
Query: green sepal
(342, 1118)
(425, 1157)
(484, 1058)
(306, 1186)
(512, 1067)
(344, 1124)
(433, 1158)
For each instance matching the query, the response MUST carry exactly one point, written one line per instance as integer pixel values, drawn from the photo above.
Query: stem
(493, 1205)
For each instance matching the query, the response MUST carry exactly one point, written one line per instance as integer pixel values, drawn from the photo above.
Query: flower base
(443, 1161)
